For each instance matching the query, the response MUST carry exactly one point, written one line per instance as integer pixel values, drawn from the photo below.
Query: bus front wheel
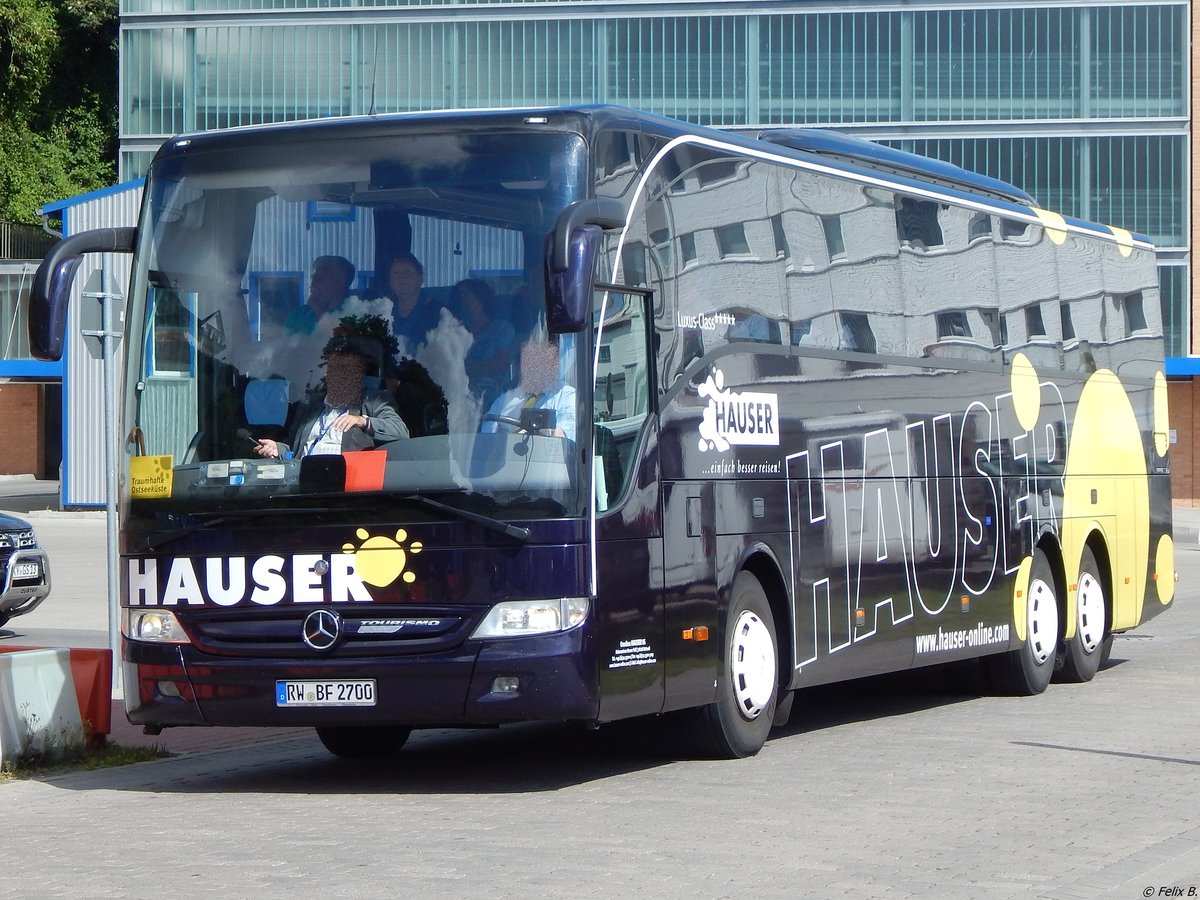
(363, 741)
(737, 724)
(1027, 669)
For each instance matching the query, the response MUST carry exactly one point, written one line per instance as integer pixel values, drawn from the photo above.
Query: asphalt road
(902, 787)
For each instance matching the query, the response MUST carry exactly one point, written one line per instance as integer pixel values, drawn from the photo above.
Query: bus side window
(621, 397)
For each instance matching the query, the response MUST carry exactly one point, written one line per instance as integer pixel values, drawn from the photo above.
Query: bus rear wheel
(1084, 652)
(1027, 670)
(363, 741)
(737, 724)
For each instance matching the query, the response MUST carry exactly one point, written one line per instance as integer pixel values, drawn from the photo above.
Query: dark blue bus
(851, 412)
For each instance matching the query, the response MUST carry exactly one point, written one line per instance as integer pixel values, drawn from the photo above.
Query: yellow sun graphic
(381, 560)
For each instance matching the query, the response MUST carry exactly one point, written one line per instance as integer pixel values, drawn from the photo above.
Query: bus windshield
(359, 320)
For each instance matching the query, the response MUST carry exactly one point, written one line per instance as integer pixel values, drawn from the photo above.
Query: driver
(348, 417)
(540, 388)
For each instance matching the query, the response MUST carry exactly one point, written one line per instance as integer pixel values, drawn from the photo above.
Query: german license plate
(27, 570)
(357, 692)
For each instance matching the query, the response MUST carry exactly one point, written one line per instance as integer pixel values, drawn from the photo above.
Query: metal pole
(108, 343)
(110, 449)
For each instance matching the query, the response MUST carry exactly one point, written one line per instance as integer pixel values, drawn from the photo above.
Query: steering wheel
(505, 420)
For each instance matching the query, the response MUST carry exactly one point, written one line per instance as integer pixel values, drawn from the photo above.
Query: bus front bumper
(544, 678)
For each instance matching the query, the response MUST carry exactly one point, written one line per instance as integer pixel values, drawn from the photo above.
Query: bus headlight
(517, 618)
(157, 626)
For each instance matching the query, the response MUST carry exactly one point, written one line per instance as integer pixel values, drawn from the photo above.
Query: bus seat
(266, 401)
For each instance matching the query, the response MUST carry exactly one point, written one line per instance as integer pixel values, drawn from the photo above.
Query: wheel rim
(753, 669)
(1089, 601)
(1043, 620)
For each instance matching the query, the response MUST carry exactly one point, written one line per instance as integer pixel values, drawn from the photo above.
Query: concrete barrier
(51, 698)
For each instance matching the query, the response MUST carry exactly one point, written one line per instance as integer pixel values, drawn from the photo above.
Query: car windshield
(352, 320)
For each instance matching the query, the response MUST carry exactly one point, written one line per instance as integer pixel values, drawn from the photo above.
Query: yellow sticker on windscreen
(151, 476)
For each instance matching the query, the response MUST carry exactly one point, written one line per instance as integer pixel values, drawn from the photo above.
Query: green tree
(58, 115)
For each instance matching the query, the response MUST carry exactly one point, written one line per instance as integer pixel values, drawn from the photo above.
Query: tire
(1106, 650)
(1027, 670)
(363, 741)
(737, 725)
(1084, 652)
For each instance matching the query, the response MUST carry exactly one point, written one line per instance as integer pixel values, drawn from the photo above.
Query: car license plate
(27, 570)
(357, 692)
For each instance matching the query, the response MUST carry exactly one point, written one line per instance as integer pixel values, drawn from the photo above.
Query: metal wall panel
(83, 464)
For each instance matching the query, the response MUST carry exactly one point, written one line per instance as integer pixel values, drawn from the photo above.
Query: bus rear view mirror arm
(51, 291)
(603, 211)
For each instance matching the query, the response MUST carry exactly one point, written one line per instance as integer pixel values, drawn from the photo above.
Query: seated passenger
(489, 361)
(327, 291)
(540, 388)
(414, 314)
(348, 416)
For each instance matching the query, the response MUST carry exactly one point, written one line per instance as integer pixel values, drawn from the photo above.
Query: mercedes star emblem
(322, 628)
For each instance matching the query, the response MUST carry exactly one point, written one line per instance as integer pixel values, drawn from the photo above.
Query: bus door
(628, 548)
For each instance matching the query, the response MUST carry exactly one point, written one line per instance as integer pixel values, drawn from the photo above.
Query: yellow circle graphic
(1026, 392)
(1056, 225)
(1164, 569)
(1107, 490)
(1021, 597)
(1162, 418)
(1124, 240)
(381, 560)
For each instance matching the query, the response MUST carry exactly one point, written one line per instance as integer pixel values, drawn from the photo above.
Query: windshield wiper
(515, 532)
(211, 519)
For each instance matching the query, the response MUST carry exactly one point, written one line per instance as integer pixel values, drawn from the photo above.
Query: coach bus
(822, 409)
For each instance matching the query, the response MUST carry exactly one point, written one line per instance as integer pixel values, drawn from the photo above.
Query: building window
(1068, 327)
(782, 250)
(1135, 314)
(721, 170)
(687, 248)
(171, 349)
(917, 223)
(980, 227)
(857, 333)
(1034, 326)
(834, 242)
(633, 264)
(731, 240)
(329, 211)
(661, 239)
(953, 324)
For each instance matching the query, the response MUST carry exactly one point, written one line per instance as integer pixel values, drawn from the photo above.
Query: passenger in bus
(327, 291)
(414, 314)
(348, 416)
(489, 361)
(540, 403)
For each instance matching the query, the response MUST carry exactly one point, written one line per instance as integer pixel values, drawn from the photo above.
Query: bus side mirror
(51, 291)
(571, 252)
(569, 292)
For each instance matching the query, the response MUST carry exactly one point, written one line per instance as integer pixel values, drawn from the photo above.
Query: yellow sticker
(151, 476)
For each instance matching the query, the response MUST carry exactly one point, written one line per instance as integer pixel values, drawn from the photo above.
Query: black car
(24, 569)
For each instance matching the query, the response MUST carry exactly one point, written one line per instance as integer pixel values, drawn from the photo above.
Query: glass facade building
(1083, 104)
